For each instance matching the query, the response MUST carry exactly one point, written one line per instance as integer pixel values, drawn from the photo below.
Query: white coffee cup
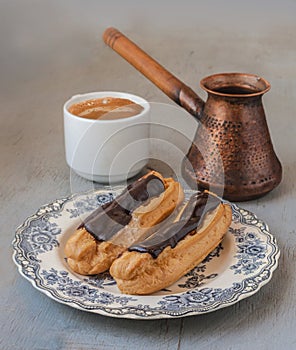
(107, 150)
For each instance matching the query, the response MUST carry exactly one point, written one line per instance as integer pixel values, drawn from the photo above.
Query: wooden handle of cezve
(167, 82)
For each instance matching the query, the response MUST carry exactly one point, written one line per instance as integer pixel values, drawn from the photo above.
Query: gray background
(50, 50)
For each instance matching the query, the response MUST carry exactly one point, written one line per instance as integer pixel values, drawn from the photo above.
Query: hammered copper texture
(232, 148)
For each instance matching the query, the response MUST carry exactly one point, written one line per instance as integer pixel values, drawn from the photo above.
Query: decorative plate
(236, 269)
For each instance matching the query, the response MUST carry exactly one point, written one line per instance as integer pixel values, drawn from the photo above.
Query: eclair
(161, 259)
(112, 228)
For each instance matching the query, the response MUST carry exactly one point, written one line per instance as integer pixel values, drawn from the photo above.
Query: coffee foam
(106, 108)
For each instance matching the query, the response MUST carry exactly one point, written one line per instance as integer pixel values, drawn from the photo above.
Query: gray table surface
(51, 50)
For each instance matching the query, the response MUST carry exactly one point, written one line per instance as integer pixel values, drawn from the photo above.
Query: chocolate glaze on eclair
(160, 260)
(110, 218)
(170, 234)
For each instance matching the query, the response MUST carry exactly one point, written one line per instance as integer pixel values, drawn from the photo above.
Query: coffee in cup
(107, 135)
(106, 108)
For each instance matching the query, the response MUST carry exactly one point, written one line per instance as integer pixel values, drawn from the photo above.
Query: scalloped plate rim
(164, 314)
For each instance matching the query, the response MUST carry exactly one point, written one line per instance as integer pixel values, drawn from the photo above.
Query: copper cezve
(232, 149)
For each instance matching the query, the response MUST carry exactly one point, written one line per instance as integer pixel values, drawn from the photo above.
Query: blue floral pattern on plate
(236, 269)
